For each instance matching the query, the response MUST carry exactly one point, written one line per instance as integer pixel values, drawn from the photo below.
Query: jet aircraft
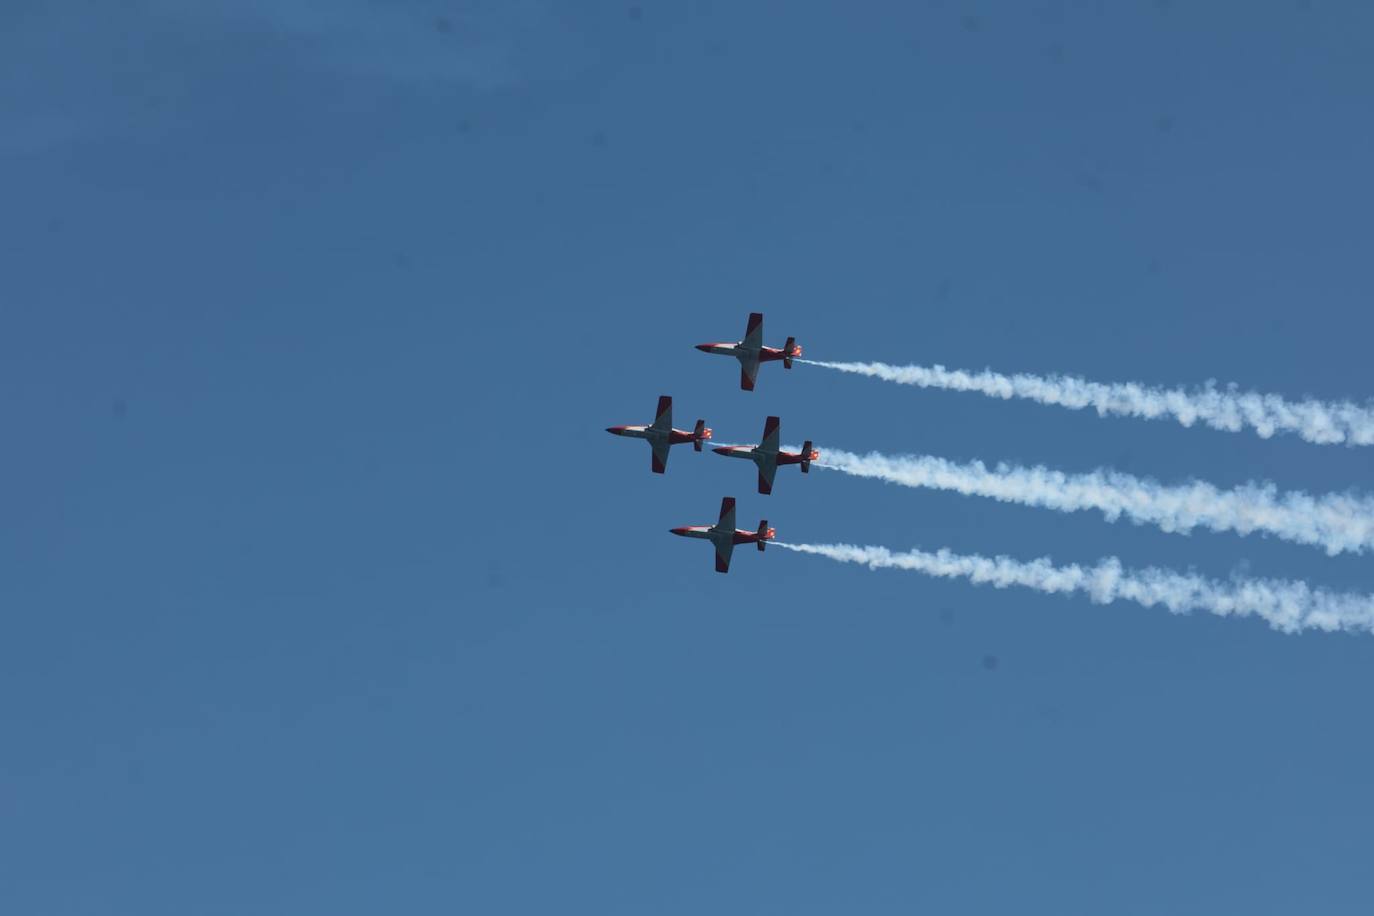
(725, 536)
(768, 456)
(661, 434)
(750, 351)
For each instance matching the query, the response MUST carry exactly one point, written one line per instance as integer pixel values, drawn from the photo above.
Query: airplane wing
(768, 469)
(723, 550)
(748, 371)
(753, 334)
(663, 420)
(660, 447)
(772, 430)
(727, 514)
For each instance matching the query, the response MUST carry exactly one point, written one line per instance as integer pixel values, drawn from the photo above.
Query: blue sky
(324, 590)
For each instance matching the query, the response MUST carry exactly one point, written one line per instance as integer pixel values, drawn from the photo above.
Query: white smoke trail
(1226, 409)
(1287, 606)
(1335, 522)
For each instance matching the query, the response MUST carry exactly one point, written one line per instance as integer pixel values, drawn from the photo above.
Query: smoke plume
(1336, 523)
(1288, 606)
(1229, 409)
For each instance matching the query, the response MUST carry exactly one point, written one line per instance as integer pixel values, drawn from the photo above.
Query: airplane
(767, 455)
(725, 536)
(661, 434)
(750, 351)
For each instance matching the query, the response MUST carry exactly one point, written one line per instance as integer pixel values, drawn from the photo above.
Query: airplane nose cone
(721, 449)
(679, 531)
(615, 430)
(704, 348)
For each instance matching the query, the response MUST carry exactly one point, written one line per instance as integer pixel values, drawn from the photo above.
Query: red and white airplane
(661, 434)
(725, 536)
(768, 456)
(750, 351)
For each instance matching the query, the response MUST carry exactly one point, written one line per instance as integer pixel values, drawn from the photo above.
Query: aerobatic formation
(1335, 523)
(767, 455)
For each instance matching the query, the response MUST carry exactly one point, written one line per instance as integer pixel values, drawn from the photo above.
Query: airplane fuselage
(705, 532)
(721, 535)
(739, 351)
(671, 436)
(763, 457)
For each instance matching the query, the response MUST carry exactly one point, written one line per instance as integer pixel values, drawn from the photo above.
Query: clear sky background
(322, 589)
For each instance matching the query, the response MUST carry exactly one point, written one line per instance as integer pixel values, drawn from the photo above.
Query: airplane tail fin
(764, 533)
(806, 457)
(699, 434)
(789, 350)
